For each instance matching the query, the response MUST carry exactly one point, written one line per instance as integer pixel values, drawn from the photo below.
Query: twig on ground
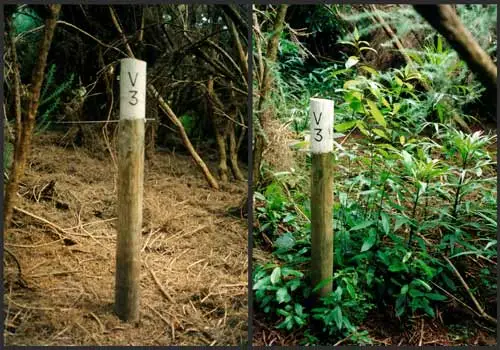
(421, 333)
(90, 223)
(38, 307)
(95, 239)
(244, 284)
(455, 298)
(103, 329)
(150, 235)
(61, 333)
(199, 228)
(32, 245)
(341, 341)
(163, 291)
(481, 312)
(20, 273)
(7, 314)
(474, 300)
(58, 229)
(57, 273)
(171, 324)
(195, 263)
(51, 224)
(177, 257)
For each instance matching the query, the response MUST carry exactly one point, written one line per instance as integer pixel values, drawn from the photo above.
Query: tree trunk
(263, 110)
(17, 88)
(242, 134)
(233, 154)
(221, 146)
(23, 136)
(446, 21)
(224, 131)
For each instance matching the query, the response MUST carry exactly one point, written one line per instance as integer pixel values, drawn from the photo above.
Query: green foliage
(381, 219)
(401, 17)
(398, 92)
(188, 122)
(8, 152)
(50, 99)
(276, 289)
(347, 305)
(481, 20)
(404, 279)
(410, 190)
(24, 20)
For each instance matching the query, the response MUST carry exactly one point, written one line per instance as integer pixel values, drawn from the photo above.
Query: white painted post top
(322, 120)
(132, 89)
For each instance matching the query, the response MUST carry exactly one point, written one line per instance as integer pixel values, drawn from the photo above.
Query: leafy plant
(274, 287)
(469, 149)
(410, 189)
(347, 305)
(50, 99)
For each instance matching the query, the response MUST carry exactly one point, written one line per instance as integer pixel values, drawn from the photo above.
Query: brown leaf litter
(194, 254)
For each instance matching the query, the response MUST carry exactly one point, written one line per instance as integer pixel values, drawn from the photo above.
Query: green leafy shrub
(277, 290)
(50, 99)
(410, 189)
(346, 306)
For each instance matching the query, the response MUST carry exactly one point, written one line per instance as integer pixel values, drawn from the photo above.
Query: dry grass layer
(194, 271)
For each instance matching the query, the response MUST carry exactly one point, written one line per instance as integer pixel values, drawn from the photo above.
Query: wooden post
(321, 114)
(130, 187)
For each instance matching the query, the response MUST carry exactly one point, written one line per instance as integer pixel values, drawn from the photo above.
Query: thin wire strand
(97, 121)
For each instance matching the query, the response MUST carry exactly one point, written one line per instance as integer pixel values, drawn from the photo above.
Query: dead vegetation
(194, 255)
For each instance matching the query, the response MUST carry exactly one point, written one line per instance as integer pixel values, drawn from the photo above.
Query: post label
(322, 119)
(132, 89)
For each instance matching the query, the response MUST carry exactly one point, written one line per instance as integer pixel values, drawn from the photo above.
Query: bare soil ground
(193, 248)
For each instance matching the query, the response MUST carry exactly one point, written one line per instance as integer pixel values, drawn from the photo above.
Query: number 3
(318, 134)
(134, 92)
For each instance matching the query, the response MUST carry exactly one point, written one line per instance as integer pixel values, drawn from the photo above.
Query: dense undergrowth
(415, 196)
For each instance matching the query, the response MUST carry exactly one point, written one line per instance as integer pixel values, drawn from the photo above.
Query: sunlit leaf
(345, 126)
(351, 61)
(368, 48)
(377, 115)
(385, 222)
(282, 295)
(381, 133)
(276, 275)
(350, 84)
(368, 69)
(286, 241)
